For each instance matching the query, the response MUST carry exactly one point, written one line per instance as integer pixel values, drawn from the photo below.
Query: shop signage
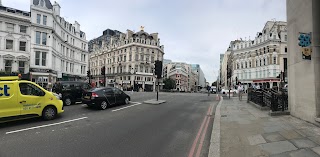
(42, 70)
(305, 44)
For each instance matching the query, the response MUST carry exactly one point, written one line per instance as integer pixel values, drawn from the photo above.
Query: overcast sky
(192, 31)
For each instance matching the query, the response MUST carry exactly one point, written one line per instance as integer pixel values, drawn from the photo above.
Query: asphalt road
(138, 130)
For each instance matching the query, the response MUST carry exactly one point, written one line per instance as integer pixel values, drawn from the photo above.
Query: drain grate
(223, 115)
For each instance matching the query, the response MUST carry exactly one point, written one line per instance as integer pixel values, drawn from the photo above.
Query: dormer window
(41, 3)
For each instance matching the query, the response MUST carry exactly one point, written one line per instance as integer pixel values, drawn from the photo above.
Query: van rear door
(9, 99)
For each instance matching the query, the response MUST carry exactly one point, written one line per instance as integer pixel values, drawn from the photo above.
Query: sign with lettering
(305, 44)
(42, 70)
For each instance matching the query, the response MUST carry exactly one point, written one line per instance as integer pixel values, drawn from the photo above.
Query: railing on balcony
(275, 100)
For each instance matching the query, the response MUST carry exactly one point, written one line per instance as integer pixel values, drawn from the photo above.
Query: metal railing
(275, 100)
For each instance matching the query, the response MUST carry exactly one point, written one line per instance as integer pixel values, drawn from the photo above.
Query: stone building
(129, 60)
(260, 61)
(304, 19)
(15, 28)
(58, 48)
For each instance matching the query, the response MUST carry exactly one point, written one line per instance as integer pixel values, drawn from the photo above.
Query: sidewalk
(246, 131)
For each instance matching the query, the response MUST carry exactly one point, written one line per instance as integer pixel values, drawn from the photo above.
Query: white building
(261, 60)
(58, 48)
(14, 40)
(128, 59)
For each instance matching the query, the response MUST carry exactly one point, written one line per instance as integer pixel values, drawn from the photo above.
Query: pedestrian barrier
(275, 100)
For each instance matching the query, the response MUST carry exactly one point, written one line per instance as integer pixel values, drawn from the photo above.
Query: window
(137, 57)
(23, 29)
(124, 58)
(10, 27)
(274, 60)
(37, 57)
(9, 44)
(44, 38)
(41, 58)
(141, 57)
(21, 67)
(44, 20)
(285, 37)
(250, 64)
(285, 50)
(8, 66)
(30, 89)
(264, 61)
(22, 46)
(38, 18)
(38, 37)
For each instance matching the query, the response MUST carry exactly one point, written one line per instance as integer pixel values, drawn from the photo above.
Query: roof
(47, 2)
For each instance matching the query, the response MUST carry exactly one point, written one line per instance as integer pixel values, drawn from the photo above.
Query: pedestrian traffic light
(158, 68)
(88, 73)
(103, 70)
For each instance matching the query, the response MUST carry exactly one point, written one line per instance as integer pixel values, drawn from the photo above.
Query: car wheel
(126, 101)
(103, 105)
(67, 102)
(49, 113)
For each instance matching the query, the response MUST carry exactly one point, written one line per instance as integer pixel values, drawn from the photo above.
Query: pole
(229, 87)
(158, 90)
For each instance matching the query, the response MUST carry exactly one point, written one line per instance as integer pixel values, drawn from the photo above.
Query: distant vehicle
(105, 97)
(226, 91)
(20, 99)
(70, 91)
(213, 89)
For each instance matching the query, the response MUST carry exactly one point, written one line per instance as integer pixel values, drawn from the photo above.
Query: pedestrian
(240, 91)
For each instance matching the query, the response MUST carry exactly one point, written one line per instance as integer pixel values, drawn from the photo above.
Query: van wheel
(67, 101)
(49, 113)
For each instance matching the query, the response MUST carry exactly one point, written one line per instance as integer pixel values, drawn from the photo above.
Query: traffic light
(88, 73)
(158, 68)
(103, 70)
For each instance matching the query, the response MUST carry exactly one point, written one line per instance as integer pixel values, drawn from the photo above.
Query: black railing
(275, 100)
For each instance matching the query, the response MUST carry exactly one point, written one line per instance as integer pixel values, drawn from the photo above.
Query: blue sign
(5, 90)
(304, 40)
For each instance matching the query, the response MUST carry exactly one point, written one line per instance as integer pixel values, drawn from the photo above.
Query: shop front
(43, 77)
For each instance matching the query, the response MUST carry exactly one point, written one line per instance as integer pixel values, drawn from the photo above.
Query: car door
(119, 96)
(30, 99)
(110, 96)
(9, 105)
(78, 91)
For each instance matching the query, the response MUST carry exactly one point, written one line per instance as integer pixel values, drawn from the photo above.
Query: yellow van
(20, 99)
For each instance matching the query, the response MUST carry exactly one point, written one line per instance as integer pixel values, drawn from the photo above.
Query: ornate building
(128, 59)
(261, 60)
(14, 40)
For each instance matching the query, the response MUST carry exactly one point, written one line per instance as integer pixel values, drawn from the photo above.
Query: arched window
(274, 60)
(260, 62)
(264, 61)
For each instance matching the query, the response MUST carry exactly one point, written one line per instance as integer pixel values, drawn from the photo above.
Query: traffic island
(154, 102)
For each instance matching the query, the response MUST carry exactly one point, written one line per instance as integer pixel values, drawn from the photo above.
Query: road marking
(136, 103)
(42, 126)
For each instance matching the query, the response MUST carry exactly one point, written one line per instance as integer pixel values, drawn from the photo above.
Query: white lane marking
(42, 126)
(136, 103)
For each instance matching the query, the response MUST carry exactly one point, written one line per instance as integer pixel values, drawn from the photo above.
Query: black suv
(71, 91)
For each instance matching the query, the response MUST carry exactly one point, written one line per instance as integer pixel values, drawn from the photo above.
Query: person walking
(240, 91)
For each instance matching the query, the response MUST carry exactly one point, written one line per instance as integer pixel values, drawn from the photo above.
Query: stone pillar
(316, 51)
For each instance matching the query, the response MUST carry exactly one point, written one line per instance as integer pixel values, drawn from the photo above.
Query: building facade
(303, 90)
(201, 80)
(261, 60)
(14, 40)
(128, 59)
(58, 48)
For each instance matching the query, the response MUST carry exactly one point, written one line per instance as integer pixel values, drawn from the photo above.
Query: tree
(169, 83)
(214, 83)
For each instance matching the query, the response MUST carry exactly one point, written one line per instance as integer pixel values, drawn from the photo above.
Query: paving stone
(303, 153)
(273, 137)
(315, 139)
(256, 139)
(270, 129)
(303, 143)
(278, 147)
(316, 150)
(290, 134)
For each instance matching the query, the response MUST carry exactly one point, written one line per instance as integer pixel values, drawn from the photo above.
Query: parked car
(213, 90)
(105, 97)
(70, 91)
